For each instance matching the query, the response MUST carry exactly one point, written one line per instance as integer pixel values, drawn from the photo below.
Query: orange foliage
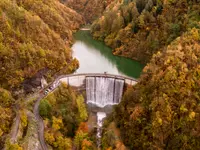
(86, 144)
(83, 127)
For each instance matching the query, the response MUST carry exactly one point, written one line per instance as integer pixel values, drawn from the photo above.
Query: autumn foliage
(89, 9)
(64, 113)
(35, 34)
(162, 111)
(6, 115)
(139, 28)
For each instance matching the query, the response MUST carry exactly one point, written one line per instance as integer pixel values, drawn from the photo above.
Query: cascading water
(119, 85)
(103, 91)
(90, 89)
(100, 117)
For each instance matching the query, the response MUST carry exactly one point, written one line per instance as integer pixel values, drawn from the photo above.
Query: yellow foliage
(23, 118)
(110, 148)
(1, 132)
(195, 34)
(5, 118)
(63, 143)
(183, 108)
(192, 115)
(82, 108)
(49, 137)
(5, 98)
(10, 146)
(28, 45)
(57, 123)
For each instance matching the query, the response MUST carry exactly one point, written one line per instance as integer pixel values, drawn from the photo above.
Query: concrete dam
(101, 89)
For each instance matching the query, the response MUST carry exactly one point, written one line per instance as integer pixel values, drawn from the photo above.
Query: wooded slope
(139, 28)
(34, 35)
(162, 111)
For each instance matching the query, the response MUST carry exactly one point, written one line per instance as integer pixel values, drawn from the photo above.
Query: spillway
(102, 91)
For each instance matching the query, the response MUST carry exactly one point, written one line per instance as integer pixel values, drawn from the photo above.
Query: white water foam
(100, 117)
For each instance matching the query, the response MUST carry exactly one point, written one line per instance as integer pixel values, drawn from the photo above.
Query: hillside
(7, 114)
(162, 111)
(35, 35)
(138, 29)
(89, 9)
(65, 115)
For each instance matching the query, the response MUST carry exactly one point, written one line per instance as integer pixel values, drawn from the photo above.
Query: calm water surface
(95, 57)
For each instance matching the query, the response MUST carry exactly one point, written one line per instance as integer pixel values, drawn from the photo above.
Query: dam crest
(101, 89)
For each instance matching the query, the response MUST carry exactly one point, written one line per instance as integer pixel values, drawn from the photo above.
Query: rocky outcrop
(35, 82)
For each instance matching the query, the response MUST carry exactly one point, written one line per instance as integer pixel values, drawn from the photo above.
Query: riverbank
(95, 57)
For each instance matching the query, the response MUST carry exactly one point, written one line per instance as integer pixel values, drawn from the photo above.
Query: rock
(35, 82)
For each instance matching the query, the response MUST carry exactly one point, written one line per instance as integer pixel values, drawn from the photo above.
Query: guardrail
(96, 75)
(56, 82)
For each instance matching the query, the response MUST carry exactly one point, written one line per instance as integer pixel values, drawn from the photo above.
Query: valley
(99, 74)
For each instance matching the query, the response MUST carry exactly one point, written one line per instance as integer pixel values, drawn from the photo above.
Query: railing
(96, 75)
(56, 82)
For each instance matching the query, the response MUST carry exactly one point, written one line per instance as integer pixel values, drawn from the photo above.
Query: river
(95, 57)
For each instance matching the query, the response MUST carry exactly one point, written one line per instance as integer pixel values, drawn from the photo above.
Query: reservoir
(95, 57)
(101, 92)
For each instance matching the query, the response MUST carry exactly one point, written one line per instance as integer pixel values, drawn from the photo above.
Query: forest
(89, 9)
(65, 115)
(160, 112)
(35, 35)
(138, 29)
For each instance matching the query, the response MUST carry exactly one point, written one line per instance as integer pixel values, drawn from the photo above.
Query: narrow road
(40, 123)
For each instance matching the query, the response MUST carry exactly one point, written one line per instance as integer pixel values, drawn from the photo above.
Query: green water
(96, 57)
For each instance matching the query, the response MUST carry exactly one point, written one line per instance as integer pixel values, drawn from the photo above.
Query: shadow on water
(125, 66)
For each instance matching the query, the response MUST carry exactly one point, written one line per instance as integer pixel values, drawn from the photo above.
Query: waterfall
(90, 89)
(119, 85)
(103, 91)
(100, 117)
